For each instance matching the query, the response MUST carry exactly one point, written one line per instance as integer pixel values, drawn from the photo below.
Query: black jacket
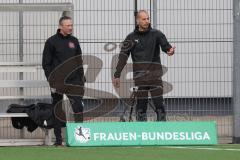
(57, 50)
(40, 115)
(20, 122)
(144, 47)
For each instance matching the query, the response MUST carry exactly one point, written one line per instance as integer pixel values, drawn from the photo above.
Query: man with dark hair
(144, 46)
(58, 49)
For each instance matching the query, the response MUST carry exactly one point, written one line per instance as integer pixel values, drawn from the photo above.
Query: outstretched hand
(171, 51)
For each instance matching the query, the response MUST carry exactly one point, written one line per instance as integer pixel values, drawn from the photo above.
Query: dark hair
(63, 18)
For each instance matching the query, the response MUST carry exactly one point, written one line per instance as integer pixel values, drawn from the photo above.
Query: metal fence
(200, 71)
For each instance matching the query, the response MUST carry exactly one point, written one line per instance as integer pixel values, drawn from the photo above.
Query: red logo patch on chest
(71, 45)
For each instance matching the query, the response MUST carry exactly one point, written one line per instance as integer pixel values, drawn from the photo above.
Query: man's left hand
(171, 51)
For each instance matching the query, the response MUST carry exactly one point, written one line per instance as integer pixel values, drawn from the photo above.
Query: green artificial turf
(219, 152)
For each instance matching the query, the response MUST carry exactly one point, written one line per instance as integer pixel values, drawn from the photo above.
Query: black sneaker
(161, 116)
(142, 117)
(58, 144)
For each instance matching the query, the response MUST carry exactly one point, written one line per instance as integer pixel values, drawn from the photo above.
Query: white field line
(203, 148)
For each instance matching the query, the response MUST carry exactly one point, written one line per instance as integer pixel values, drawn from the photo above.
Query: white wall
(200, 29)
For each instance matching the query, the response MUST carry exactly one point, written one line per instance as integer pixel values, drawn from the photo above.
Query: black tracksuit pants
(142, 102)
(60, 116)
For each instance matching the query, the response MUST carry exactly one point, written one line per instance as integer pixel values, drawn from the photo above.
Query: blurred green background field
(218, 152)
